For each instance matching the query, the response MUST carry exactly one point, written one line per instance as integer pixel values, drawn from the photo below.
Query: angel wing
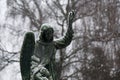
(25, 56)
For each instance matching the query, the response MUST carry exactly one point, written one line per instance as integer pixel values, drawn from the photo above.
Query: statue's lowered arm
(66, 40)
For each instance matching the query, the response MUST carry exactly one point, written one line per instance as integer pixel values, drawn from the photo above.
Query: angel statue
(37, 59)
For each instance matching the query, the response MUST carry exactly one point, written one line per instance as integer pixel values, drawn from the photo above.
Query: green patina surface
(40, 55)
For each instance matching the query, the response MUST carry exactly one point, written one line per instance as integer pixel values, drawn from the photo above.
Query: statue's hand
(44, 71)
(38, 76)
(71, 16)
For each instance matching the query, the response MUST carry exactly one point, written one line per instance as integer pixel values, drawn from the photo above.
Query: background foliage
(94, 53)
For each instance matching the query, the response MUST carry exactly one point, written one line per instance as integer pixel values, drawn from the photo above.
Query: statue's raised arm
(66, 40)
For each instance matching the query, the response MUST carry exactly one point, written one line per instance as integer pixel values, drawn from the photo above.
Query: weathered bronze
(37, 59)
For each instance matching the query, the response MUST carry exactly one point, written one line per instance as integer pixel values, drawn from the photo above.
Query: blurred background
(94, 53)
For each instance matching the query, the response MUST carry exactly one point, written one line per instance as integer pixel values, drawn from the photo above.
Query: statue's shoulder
(38, 42)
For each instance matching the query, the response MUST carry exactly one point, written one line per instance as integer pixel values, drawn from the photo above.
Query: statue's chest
(44, 51)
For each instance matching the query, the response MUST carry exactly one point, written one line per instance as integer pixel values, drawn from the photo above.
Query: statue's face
(46, 34)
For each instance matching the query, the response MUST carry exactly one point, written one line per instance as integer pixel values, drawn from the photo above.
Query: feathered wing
(25, 56)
